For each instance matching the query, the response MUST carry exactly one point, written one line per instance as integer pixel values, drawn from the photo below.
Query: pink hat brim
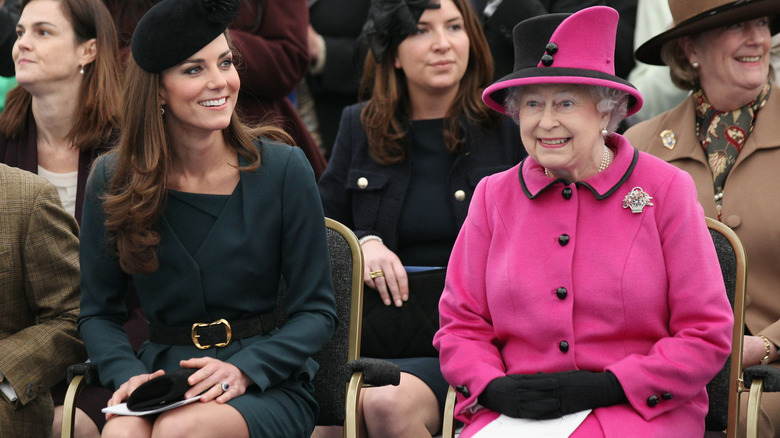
(489, 94)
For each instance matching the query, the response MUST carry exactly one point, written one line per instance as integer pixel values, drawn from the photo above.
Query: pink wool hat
(576, 48)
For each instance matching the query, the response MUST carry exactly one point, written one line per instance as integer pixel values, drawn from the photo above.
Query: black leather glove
(551, 395)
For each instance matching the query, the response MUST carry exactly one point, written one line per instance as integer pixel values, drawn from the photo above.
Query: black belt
(213, 334)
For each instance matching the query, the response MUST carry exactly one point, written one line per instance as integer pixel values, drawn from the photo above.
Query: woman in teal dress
(205, 217)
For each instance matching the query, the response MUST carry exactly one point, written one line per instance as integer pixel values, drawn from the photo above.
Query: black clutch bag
(160, 391)
(406, 331)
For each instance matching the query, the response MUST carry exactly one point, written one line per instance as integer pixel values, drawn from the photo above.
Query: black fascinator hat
(390, 21)
(173, 30)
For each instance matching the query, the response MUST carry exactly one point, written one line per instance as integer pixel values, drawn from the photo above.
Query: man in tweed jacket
(39, 301)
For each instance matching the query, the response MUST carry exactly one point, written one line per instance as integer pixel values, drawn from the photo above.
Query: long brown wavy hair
(98, 106)
(387, 112)
(138, 192)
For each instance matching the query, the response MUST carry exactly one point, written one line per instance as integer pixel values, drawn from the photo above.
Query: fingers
(384, 272)
(215, 379)
(392, 284)
(127, 388)
(398, 284)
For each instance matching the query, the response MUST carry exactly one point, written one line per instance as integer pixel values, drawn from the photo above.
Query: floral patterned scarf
(725, 133)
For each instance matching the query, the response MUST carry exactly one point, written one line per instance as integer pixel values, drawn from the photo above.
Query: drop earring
(81, 69)
(604, 132)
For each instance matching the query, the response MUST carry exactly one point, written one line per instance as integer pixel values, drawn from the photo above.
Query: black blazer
(367, 196)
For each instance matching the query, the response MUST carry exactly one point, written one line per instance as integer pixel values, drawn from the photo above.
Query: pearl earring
(604, 132)
(162, 110)
(695, 64)
(81, 69)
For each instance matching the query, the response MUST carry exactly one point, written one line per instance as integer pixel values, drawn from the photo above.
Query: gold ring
(375, 274)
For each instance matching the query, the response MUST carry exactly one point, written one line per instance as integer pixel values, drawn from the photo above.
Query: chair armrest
(759, 378)
(85, 369)
(366, 372)
(377, 372)
(77, 375)
(768, 374)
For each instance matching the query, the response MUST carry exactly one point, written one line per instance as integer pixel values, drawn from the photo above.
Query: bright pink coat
(644, 294)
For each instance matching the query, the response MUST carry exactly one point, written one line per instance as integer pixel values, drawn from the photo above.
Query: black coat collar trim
(599, 196)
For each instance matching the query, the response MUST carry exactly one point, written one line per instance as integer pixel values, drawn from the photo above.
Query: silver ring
(225, 386)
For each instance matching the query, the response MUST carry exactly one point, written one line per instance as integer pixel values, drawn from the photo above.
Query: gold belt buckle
(228, 332)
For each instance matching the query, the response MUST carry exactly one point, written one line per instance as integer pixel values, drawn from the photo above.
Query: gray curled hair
(608, 100)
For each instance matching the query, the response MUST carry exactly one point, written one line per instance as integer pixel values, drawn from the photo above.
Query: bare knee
(386, 403)
(127, 427)
(407, 410)
(170, 425)
(83, 426)
(201, 420)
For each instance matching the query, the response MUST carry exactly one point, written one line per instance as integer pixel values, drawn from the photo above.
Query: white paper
(508, 427)
(121, 409)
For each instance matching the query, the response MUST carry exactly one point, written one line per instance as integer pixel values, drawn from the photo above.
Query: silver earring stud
(162, 110)
(695, 64)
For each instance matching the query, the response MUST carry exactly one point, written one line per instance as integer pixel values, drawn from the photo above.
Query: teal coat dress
(271, 226)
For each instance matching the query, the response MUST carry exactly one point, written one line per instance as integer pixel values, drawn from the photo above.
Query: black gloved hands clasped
(551, 395)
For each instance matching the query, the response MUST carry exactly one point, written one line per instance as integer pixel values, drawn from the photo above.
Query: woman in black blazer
(404, 167)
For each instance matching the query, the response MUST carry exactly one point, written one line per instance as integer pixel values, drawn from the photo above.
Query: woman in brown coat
(727, 137)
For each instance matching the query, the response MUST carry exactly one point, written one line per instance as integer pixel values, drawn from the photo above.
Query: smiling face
(733, 61)
(46, 54)
(199, 94)
(435, 57)
(561, 129)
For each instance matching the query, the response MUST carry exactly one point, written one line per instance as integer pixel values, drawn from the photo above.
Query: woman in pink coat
(584, 283)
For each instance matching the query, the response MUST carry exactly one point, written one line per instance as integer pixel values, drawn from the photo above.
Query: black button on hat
(551, 48)
(173, 30)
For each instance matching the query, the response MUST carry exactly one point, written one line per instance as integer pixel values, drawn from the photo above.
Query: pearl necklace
(606, 159)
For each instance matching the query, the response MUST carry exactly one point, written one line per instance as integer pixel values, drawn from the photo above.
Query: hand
(753, 350)
(210, 376)
(313, 43)
(127, 388)
(394, 284)
(551, 395)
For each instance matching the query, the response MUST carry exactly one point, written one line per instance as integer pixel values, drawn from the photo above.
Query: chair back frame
(736, 383)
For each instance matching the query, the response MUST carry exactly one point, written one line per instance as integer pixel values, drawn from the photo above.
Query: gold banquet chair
(725, 388)
(346, 262)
